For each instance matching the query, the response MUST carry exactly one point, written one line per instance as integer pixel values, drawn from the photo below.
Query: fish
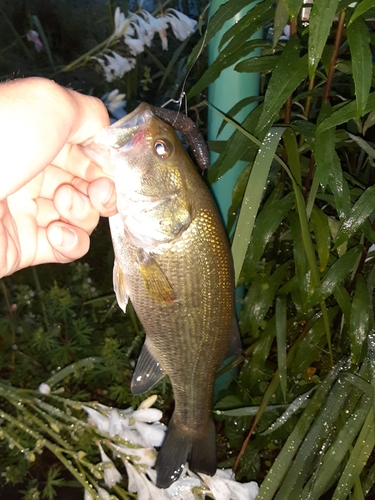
(173, 261)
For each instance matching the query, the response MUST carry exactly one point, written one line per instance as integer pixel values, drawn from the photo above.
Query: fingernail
(61, 236)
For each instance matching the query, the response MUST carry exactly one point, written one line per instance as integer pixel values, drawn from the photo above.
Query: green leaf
(324, 147)
(289, 72)
(237, 147)
(319, 221)
(313, 344)
(280, 21)
(345, 113)
(280, 316)
(259, 15)
(359, 318)
(267, 222)
(336, 453)
(359, 455)
(224, 60)
(293, 7)
(259, 298)
(336, 274)
(360, 9)
(302, 269)
(360, 211)
(359, 44)
(252, 197)
(225, 12)
(321, 19)
(303, 465)
(293, 154)
(262, 64)
(286, 457)
(340, 189)
(343, 299)
(363, 145)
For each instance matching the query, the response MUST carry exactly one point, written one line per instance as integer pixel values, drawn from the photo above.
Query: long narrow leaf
(359, 318)
(346, 113)
(252, 197)
(336, 453)
(358, 458)
(360, 9)
(359, 43)
(289, 72)
(321, 19)
(284, 460)
(280, 314)
(361, 210)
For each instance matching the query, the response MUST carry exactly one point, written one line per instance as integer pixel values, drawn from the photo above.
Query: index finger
(38, 118)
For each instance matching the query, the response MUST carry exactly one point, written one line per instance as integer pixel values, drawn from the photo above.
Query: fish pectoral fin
(147, 372)
(235, 347)
(119, 285)
(156, 282)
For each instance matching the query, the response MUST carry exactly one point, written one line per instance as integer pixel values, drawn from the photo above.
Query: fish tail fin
(180, 447)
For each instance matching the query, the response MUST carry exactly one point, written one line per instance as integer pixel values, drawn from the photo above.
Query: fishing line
(183, 95)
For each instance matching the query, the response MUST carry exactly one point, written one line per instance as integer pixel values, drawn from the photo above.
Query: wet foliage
(298, 414)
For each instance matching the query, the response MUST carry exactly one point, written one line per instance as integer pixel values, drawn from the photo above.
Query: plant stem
(332, 65)
(39, 290)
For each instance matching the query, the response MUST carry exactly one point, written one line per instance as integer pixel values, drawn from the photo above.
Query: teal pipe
(226, 91)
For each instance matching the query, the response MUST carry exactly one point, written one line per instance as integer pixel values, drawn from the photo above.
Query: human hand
(51, 193)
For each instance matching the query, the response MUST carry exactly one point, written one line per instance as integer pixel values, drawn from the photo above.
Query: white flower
(104, 495)
(87, 496)
(135, 45)
(148, 402)
(223, 487)
(115, 425)
(182, 488)
(98, 419)
(122, 24)
(111, 474)
(115, 103)
(44, 389)
(181, 24)
(157, 24)
(152, 435)
(145, 489)
(115, 65)
(147, 456)
(148, 415)
(33, 36)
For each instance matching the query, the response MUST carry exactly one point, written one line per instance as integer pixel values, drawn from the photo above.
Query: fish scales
(172, 259)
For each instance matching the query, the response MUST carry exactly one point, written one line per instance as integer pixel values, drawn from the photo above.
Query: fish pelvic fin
(180, 447)
(148, 371)
(119, 286)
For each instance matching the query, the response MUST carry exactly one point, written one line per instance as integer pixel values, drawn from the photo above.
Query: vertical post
(230, 88)
(224, 93)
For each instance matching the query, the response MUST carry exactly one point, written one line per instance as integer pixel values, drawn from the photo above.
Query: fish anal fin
(156, 282)
(235, 346)
(147, 372)
(119, 285)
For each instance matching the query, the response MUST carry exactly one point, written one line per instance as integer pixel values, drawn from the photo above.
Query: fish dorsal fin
(235, 347)
(147, 372)
(119, 285)
(156, 283)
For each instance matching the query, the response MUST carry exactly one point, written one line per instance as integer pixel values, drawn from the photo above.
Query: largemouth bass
(173, 261)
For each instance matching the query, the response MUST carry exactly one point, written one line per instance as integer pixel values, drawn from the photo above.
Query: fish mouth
(120, 133)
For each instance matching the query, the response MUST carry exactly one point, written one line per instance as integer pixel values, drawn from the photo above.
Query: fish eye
(162, 149)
